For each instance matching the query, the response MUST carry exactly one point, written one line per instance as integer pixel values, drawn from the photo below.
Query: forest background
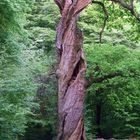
(28, 61)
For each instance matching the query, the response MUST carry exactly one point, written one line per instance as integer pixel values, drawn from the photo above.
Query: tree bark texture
(71, 71)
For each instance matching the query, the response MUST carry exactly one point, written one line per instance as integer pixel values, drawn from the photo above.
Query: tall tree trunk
(71, 71)
(98, 120)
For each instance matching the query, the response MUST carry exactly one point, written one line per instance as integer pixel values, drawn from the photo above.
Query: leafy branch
(129, 7)
(103, 78)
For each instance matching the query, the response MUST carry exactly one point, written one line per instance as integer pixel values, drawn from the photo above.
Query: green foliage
(40, 61)
(15, 82)
(121, 27)
(42, 22)
(45, 117)
(16, 101)
(117, 95)
(12, 35)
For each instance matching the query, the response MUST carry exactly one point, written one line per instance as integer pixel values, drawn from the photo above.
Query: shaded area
(38, 132)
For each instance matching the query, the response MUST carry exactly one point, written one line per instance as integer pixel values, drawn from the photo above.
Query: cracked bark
(71, 71)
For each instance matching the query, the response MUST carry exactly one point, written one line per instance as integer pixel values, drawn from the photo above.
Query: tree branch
(129, 7)
(101, 79)
(105, 18)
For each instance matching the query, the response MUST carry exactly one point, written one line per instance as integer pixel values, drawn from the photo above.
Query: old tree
(72, 66)
(71, 71)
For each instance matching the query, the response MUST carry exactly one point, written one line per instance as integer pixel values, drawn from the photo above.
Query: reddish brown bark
(71, 71)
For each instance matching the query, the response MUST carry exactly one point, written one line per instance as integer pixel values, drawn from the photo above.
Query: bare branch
(105, 18)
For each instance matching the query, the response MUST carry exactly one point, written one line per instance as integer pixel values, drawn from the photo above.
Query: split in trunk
(71, 71)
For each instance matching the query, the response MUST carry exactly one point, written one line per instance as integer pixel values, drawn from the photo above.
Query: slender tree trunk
(71, 71)
(98, 120)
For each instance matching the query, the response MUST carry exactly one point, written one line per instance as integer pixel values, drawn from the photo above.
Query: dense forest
(69, 69)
